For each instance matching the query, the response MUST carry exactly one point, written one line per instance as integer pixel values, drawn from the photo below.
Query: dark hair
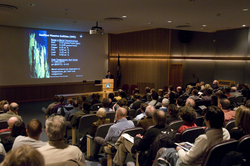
(188, 114)
(214, 100)
(79, 100)
(195, 92)
(86, 105)
(136, 90)
(105, 102)
(18, 129)
(171, 88)
(147, 89)
(173, 110)
(34, 127)
(215, 115)
(137, 96)
(61, 99)
(123, 102)
(75, 104)
(111, 96)
(55, 98)
(180, 101)
(154, 95)
(144, 106)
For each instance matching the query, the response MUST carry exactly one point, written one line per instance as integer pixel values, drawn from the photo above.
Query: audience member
(214, 100)
(61, 103)
(214, 119)
(164, 105)
(242, 119)
(190, 102)
(112, 97)
(72, 111)
(147, 97)
(34, 129)
(208, 95)
(154, 101)
(113, 133)
(227, 90)
(180, 102)
(6, 108)
(179, 91)
(173, 113)
(142, 114)
(225, 105)
(234, 92)
(141, 143)
(148, 120)
(13, 111)
(215, 84)
(50, 108)
(17, 129)
(80, 99)
(24, 156)
(77, 115)
(194, 95)
(188, 115)
(69, 104)
(2, 103)
(56, 150)
(137, 102)
(10, 122)
(95, 99)
(106, 104)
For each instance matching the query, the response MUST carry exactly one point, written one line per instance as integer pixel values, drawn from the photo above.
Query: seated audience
(13, 111)
(194, 95)
(61, 103)
(154, 102)
(80, 99)
(141, 143)
(227, 90)
(224, 105)
(188, 115)
(161, 94)
(234, 92)
(24, 156)
(95, 98)
(101, 114)
(164, 104)
(10, 122)
(50, 108)
(242, 119)
(6, 108)
(148, 120)
(2, 103)
(112, 97)
(215, 85)
(214, 119)
(208, 95)
(179, 91)
(190, 102)
(180, 102)
(56, 150)
(137, 103)
(34, 129)
(147, 97)
(77, 115)
(113, 133)
(106, 104)
(69, 104)
(17, 129)
(173, 113)
(142, 114)
(72, 111)
(214, 100)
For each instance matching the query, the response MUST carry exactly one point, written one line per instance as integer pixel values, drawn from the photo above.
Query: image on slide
(38, 55)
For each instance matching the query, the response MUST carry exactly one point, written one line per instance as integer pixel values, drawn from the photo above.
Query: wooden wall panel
(25, 93)
(143, 57)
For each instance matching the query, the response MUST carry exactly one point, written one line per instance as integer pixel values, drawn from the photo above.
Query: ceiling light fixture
(124, 16)
(244, 10)
(169, 21)
(204, 25)
(243, 25)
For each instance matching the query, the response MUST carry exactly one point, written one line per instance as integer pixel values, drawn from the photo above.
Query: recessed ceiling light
(169, 21)
(244, 10)
(124, 16)
(149, 23)
(204, 25)
(243, 25)
(31, 4)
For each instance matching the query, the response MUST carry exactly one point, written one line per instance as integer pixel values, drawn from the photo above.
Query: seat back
(3, 124)
(199, 121)
(217, 152)
(96, 106)
(134, 131)
(102, 130)
(85, 123)
(3, 135)
(111, 116)
(175, 125)
(244, 146)
(190, 134)
(239, 99)
(70, 117)
(230, 124)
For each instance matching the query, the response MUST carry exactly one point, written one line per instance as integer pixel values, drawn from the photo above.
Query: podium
(107, 86)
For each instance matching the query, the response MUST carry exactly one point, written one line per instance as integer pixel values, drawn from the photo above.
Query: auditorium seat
(216, 153)
(132, 88)
(3, 124)
(175, 125)
(190, 134)
(244, 146)
(125, 87)
(230, 124)
(111, 116)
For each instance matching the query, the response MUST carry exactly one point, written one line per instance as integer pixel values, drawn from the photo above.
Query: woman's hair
(242, 118)
(188, 114)
(24, 156)
(18, 129)
(173, 110)
(123, 102)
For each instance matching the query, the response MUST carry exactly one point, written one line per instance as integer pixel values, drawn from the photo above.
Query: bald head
(11, 121)
(6, 107)
(190, 102)
(13, 107)
(159, 117)
(121, 113)
(150, 111)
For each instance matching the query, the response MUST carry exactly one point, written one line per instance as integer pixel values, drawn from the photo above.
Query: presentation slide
(40, 56)
(54, 55)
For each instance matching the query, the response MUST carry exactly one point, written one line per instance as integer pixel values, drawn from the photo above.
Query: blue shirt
(115, 130)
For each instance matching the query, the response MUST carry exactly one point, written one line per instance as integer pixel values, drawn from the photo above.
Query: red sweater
(186, 126)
